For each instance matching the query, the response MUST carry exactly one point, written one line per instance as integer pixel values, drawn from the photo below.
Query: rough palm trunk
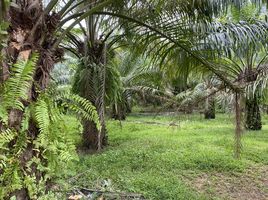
(253, 115)
(128, 106)
(94, 91)
(210, 108)
(93, 139)
(91, 135)
(29, 32)
(119, 112)
(252, 109)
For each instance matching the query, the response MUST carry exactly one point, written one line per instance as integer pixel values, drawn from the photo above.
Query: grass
(187, 161)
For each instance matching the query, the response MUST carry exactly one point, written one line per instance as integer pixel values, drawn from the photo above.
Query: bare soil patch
(249, 185)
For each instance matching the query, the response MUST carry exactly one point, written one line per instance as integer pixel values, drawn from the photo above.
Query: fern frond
(17, 86)
(3, 114)
(82, 107)
(6, 136)
(41, 114)
(25, 120)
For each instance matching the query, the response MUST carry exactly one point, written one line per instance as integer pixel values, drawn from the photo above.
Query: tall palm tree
(25, 36)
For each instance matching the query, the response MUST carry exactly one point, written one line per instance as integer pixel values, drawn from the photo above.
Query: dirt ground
(250, 185)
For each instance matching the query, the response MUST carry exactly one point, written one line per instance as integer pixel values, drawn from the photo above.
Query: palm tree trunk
(24, 38)
(253, 115)
(128, 106)
(210, 108)
(266, 108)
(94, 139)
(119, 112)
(91, 138)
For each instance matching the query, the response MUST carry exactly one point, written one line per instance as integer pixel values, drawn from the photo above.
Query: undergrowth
(156, 159)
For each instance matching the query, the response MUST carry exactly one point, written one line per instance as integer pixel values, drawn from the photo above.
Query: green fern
(31, 184)
(52, 143)
(82, 107)
(41, 114)
(17, 86)
(6, 137)
(3, 114)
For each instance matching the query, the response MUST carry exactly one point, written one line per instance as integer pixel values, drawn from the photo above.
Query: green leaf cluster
(51, 148)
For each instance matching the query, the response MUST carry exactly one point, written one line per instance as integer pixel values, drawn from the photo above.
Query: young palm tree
(91, 47)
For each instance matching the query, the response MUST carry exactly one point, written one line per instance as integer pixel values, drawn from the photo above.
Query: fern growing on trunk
(28, 161)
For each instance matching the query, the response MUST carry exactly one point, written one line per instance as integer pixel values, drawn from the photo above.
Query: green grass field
(193, 160)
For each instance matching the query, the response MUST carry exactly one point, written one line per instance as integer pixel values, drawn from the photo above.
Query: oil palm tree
(136, 77)
(169, 32)
(34, 27)
(243, 62)
(164, 27)
(91, 47)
